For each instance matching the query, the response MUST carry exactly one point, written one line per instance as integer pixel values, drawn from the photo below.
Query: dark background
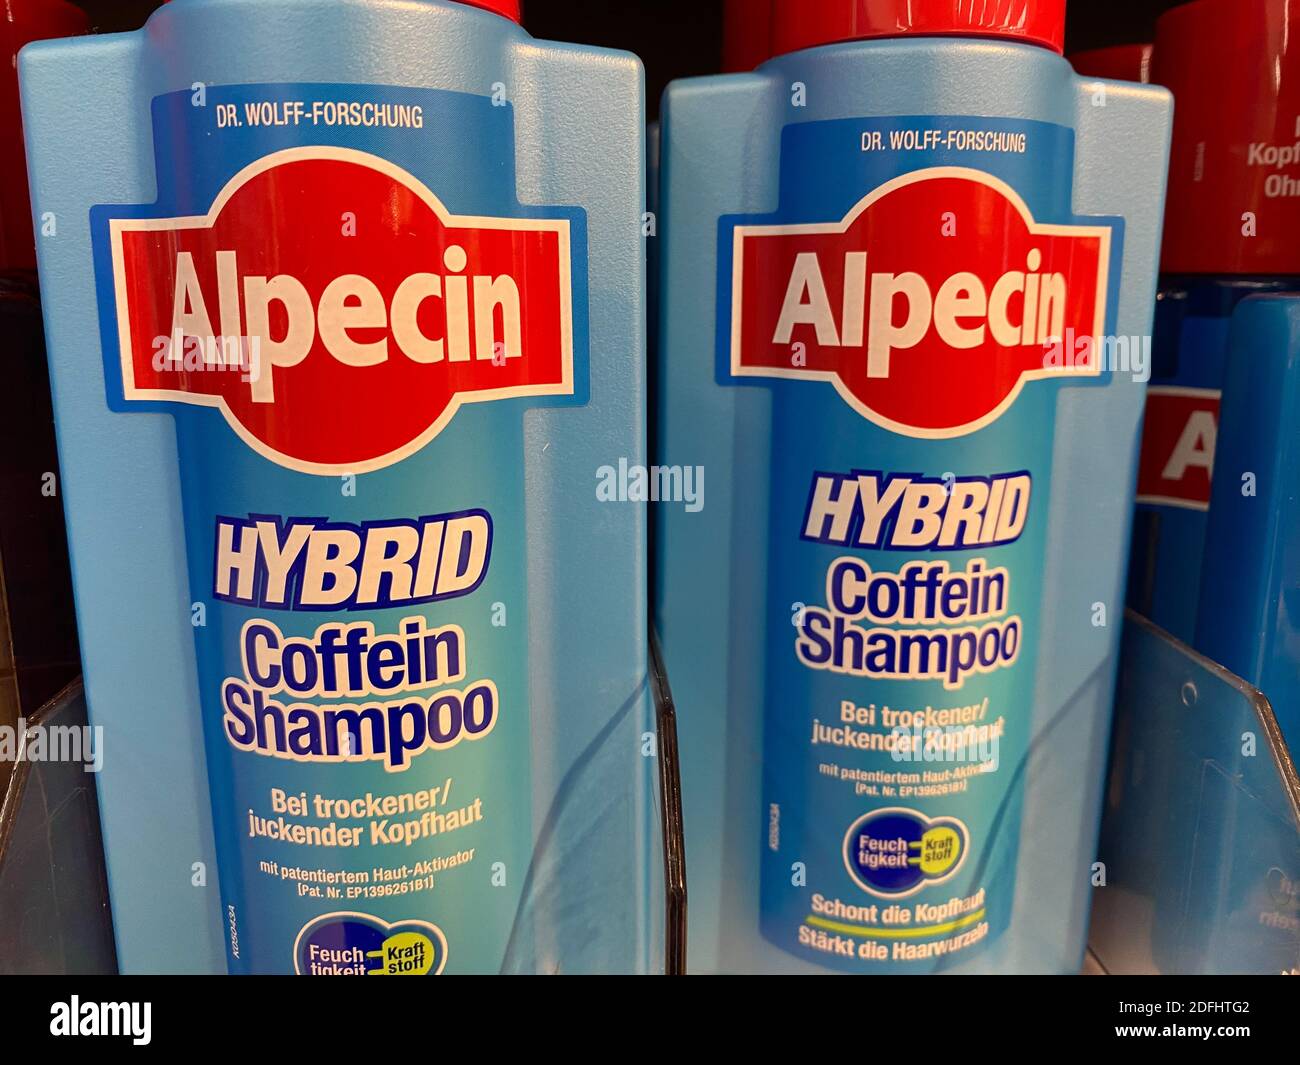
(676, 38)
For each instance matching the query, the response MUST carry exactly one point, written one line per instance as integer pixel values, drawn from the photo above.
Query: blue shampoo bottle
(892, 259)
(343, 322)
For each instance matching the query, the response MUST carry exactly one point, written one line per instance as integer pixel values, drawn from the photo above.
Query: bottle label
(1179, 432)
(917, 304)
(346, 311)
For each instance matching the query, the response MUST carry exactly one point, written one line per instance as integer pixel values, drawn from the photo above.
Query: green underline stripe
(895, 933)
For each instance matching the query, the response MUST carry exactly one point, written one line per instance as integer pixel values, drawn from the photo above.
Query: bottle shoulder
(919, 77)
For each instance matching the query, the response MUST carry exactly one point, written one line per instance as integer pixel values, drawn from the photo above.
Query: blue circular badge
(356, 944)
(897, 851)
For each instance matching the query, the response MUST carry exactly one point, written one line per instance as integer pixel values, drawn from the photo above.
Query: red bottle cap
(507, 8)
(1123, 62)
(22, 21)
(746, 34)
(1234, 169)
(807, 23)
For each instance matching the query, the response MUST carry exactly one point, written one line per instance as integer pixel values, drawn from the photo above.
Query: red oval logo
(336, 313)
(928, 306)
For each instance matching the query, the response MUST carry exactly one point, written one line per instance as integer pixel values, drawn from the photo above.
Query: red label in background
(928, 307)
(1233, 204)
(1178, 441)
(336, 314)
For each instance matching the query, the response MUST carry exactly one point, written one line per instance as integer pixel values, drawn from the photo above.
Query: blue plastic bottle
(1230, 232)
(1250, 590)
(344, 320)
(891, 257)
(746, 42)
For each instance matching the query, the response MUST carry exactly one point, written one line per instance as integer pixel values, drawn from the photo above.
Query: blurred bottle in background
(1122, 62)
(1231, 231)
